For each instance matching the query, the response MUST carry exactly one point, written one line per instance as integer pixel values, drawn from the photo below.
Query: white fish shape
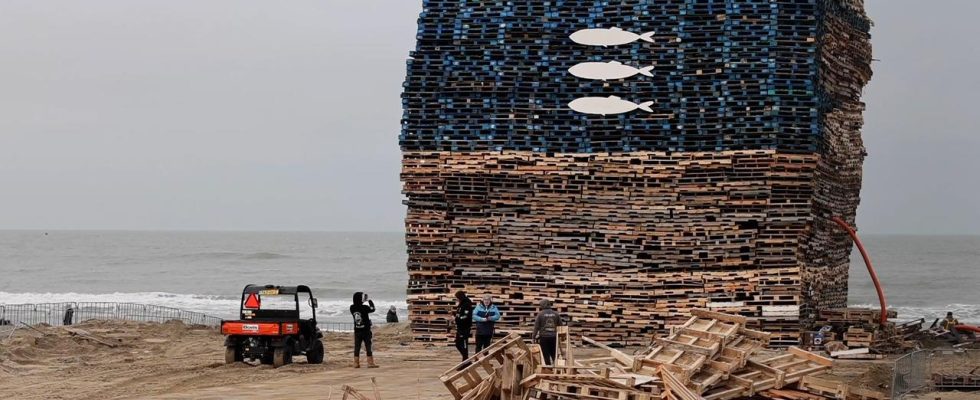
(608, 37)
(607, 105)
(607, 70)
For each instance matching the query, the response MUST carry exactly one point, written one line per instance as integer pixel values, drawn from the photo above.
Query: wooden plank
(675, 386)
(618, 355)
(811, 356)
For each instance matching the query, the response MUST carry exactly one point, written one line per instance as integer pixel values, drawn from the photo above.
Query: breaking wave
(966, 313)
(230, 255)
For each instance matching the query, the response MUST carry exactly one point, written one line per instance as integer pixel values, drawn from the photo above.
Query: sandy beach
(132, 360)
(175, 361)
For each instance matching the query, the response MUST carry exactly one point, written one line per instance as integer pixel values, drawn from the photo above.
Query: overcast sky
(260, 115)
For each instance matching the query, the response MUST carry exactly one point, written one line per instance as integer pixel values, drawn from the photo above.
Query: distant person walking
(546, 331)
(464, 323)
(392, 315)
(362, 328)
(485, 314)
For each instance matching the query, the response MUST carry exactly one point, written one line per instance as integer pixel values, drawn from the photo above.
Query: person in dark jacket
(392, 316)
(69, 316)
(362, 328)
(464, 323)
(485, 314)
(546, 331)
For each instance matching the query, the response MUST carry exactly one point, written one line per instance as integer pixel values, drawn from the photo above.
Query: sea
(923, 276)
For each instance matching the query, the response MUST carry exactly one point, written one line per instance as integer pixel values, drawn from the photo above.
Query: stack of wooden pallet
(620, 243)
(719, 198)
(713, 356)
(858, 337)
(970, 381)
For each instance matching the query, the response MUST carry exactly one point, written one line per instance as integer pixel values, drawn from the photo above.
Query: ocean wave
(966, 313)
(329, 310)
(265, 256)
(225, 255)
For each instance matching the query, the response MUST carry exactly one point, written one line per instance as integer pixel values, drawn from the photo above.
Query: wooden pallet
(506, 361)
(838, 390)
(703, 351)
(573, 387)
(773, 372)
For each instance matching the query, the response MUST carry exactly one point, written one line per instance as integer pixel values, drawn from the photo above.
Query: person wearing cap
(949, 324)
(546, 331)
(463, 318)
(485, 314)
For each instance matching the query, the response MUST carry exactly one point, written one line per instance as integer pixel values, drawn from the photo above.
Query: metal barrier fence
(57, 314)
(337, 326)
(911, 373)
(345, 326)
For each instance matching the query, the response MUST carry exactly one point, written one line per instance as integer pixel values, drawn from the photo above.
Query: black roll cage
(261, 314)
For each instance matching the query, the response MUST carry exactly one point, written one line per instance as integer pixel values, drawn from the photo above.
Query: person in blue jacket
(485, 314)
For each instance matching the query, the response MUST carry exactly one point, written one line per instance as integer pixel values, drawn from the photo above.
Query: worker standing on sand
(546, 331)
(464, 322)
(392, 315)
(362, 328)
(485, 314)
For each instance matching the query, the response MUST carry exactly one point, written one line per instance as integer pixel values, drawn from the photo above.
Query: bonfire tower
(707, 181)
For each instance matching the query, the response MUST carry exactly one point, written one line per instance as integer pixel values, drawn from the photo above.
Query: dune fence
(59, 314)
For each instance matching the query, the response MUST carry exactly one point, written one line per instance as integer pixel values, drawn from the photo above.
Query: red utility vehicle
(271, 329)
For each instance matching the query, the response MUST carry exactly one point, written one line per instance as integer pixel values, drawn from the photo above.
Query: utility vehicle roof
(282, 289)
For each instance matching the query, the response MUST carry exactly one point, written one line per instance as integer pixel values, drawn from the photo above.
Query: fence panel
(57, 314)
(911, 373)
(337, 326)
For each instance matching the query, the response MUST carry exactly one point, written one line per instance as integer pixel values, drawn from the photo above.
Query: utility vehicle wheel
(281, 356)
(233, 355)
(315, 354)
(266, 359)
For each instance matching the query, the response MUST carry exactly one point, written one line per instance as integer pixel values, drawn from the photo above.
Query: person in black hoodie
(362, 328)
(464, 322)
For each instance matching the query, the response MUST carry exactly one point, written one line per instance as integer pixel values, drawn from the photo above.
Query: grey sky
(259, 115)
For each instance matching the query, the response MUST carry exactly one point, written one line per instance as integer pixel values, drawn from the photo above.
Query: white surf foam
(966, 313)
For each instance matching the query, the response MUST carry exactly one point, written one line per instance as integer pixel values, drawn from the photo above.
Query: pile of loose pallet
(720, 199)
(713, 356)
(860, 332)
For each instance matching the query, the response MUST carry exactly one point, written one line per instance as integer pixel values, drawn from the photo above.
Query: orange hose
(871, 269)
